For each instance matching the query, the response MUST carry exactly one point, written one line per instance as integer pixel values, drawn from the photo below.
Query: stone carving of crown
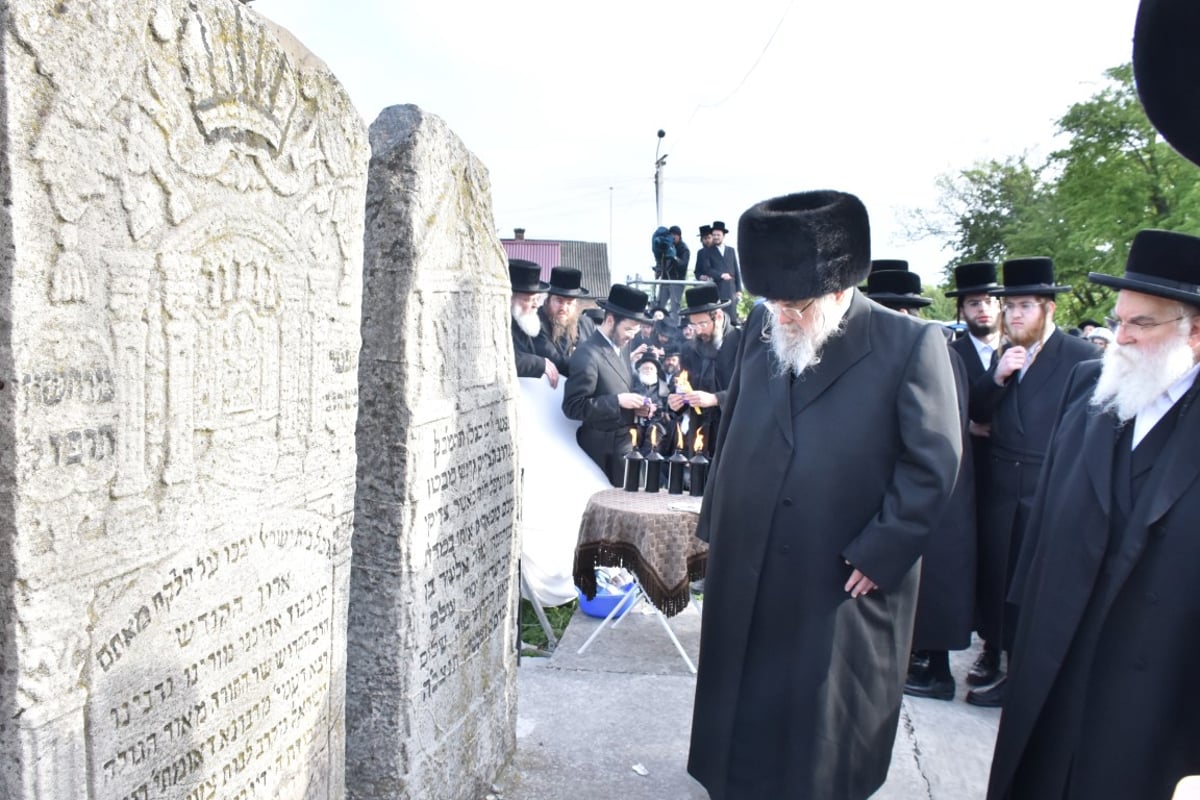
(240, 80)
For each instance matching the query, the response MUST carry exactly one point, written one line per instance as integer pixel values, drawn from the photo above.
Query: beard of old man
(797, 346)
(527, 320)
(1134, 375)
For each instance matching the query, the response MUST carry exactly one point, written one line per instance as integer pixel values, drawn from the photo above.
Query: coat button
(787, 502)
(1151, 598)
(1139, 663)
(787, 548)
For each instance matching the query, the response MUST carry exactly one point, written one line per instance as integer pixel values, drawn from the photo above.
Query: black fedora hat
(705, 230)
(804, 245)
(565, 282)
(719, 226)
(626, 302)
(889, 265)
(525, 277)
(974, 277)
(1028, 276)
(896, 288)
(701, 300)
(1161, 263)
(1166, 69)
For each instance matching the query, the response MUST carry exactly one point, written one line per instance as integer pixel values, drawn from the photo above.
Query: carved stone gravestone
(180, 291)
(431, 674)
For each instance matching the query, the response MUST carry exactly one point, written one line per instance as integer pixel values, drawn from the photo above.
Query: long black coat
(1138, 602)
(853, 462)
(946, 600)
(531, 363)
(1022, 415)
(598, 375)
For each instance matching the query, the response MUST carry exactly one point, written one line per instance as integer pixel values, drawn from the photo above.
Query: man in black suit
(981, 312)
(559, 317)
(1103, 699)
(708, 359)
(674, 269)
(838, 448)
(529, 345)
(721, 267)
(600, 391)
(1018, 398)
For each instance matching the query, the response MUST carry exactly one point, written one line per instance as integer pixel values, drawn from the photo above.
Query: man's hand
(1012, 361)
(637, 352)
(675, 401)
(639, 404)
(551, 374)
(979, 429)
(859, 584)
(701, 399)
(725, 276)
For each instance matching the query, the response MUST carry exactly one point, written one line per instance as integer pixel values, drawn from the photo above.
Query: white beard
(529, 323)
(1133, 377)
(797, 349)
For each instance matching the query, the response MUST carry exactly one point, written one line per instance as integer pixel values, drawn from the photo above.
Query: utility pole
(659, 162)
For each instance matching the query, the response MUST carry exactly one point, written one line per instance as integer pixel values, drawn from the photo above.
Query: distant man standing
(838, 450)
(1018, 398)
(674, 269)
(1103, 699)
(527, 292)
(600, 391)
(721, 267)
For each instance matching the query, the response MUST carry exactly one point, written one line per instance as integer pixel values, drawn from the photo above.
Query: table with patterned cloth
(651, 535)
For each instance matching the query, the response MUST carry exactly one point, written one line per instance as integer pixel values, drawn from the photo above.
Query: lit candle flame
(698, 444)
(679, 438)
(654, 436)
(633, 437)
(684, 386)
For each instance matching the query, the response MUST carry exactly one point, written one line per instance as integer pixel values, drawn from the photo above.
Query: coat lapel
(1177, 470)
(1099, 442)
(840, 353)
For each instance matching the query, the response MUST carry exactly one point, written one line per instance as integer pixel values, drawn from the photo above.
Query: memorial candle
(699, 464)
(654, 462)
(677, 463)
(633, 464)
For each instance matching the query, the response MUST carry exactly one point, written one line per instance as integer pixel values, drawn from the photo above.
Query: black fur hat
(804, 245)
(1166, 68)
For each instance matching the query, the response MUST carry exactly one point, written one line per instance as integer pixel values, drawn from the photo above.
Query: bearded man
(559, 317)
(1103, 699)
(1018, 398)
(527, 289)
(838, 449)
(708, 359)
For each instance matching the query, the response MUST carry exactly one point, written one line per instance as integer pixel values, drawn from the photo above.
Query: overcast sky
(562, 100)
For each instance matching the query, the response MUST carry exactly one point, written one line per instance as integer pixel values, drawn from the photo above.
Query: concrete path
(590, 725)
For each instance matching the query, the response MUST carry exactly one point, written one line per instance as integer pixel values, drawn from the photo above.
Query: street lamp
(659, 162)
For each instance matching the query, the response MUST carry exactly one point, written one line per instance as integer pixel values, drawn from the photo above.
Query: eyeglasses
(789, 312)
(1140, 324)
(703, 324)
(981, 303)
(1024, 306)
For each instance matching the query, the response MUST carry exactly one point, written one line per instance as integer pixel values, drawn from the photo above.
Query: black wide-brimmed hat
(702, 299)
(1028, 276)
(804, 245)
(974, 277)
(525, 276)
(889, 265)
(626, 302)
(565, 282)
(720, 226)
(896, 288)
(705, 230)
(1161, 263)
(1166, 69)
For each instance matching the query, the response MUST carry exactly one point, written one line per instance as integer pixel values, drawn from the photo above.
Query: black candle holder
(699, 464)
(654, 464)
(676, 466)
(633, 470)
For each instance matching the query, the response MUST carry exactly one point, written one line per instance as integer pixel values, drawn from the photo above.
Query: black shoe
(986, 668)
(991, 697)
(918, 666)
(929, 686)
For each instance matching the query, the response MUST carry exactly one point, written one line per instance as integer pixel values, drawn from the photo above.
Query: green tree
(1113, 177)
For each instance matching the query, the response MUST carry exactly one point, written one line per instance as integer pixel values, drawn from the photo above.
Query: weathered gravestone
(431, 675)
(180, 289)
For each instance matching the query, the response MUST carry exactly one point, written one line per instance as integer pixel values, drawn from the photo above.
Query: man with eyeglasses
(1103, 698)
(709, 358)
(838, 449)
(1017, 399)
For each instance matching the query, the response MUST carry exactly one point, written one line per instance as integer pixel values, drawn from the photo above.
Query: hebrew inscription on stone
(431, 695)
(180, 292)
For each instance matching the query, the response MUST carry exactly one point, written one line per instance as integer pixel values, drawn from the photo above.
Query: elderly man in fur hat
(838, 449)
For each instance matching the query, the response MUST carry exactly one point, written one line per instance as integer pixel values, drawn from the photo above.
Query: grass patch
(531, 629)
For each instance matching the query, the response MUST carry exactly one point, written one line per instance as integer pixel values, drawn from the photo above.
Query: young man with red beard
(560, 319)
(1103, 699)
(1017, 398)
